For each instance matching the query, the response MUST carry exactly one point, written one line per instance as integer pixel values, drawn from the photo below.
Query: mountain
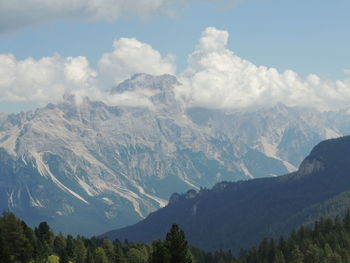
(235, 215)
(86, 167)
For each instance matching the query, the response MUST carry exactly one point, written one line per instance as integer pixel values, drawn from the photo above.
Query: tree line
(327, 242)
(22, 244)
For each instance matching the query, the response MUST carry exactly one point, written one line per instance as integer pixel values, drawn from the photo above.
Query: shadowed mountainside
(235, 215)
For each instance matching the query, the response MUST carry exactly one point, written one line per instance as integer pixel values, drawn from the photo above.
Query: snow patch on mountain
(160, 201)
(86, 187)
(34, 201)
(107, 200)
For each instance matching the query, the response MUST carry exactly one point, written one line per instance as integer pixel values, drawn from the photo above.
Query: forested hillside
(327, 242)
(20, 243)
(235, 215)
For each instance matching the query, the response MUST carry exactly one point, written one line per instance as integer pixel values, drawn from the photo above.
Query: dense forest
(20, 243)
(327, 242)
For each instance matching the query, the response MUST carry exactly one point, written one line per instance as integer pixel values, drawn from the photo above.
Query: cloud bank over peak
(214, 78)
(50, 78)
(131, 56)
(217, 78)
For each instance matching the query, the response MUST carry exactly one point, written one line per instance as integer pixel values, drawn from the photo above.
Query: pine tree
(15, 242)
(312, 254)
(100, 256)
(279, 257)
(135, 255)
(108, 248)
(45, 239)
(79, 251)
(4, 255)
(160, 253)
(70, 246)
(63, 256)
(44, 233)
(59, 244)
(296, 255)
(89, 256)
(346, 220)
(177, 245)
(119, 256)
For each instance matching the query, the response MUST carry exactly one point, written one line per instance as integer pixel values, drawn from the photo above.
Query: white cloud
(130, 99)
(49, 78)
(131, 56)
(19, 13)
(44, 80)
(15, 14)
(217, 78)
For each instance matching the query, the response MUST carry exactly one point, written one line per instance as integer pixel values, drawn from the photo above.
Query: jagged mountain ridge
(238, 215)
(114, 165)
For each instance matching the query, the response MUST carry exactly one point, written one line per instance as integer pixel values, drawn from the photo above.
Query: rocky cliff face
(87, 167)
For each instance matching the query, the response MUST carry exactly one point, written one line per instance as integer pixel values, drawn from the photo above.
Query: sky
(227, 54)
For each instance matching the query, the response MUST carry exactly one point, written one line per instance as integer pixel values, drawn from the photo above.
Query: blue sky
(304, 36)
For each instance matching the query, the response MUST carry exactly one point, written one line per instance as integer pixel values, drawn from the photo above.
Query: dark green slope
(235, 215)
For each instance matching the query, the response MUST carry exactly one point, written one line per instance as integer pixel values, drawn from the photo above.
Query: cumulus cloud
(44, 80)
(49, 78)
(131, 56)
(217, 78)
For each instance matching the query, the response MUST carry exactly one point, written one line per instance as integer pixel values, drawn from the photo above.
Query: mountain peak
(145, 81)
(159, 90)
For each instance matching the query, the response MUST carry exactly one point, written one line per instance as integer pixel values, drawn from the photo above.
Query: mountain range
(87, 167)
(234, 215)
